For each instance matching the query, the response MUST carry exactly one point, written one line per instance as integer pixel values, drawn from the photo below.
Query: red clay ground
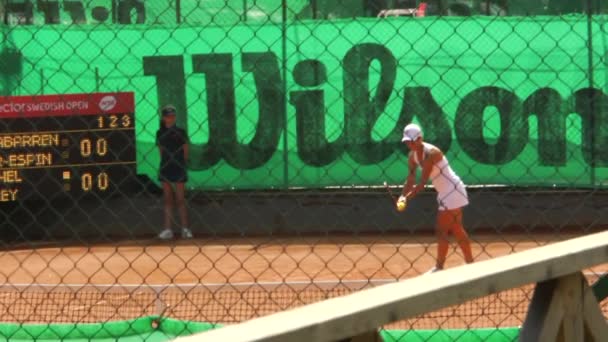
(264, 276)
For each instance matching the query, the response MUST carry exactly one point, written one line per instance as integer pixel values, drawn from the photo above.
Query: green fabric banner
(142, 329)
(452, 335)
(512, 100)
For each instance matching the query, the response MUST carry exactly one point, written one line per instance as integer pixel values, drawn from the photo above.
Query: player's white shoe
(166, 234)
(433, 270)
(186, 233)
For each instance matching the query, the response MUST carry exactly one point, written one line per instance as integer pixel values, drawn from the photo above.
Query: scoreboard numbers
(100, 147)
(99, 182)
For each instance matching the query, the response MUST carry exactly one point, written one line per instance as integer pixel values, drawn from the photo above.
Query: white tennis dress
(451, 192)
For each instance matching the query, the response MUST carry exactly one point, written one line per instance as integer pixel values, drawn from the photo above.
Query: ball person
(172, 142)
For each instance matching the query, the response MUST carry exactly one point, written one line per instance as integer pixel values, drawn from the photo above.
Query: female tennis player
(172, 142)
(451, 193)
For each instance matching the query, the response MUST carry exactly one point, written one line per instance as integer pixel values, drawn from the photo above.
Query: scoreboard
(73, 144)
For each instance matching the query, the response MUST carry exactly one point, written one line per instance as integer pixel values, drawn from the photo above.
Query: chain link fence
(294, 112)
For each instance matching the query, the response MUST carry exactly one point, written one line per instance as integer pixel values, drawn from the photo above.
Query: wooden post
(563, 310)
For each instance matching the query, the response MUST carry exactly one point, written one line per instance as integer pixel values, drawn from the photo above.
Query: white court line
(262, 245)
(80, 308)
(215, 247)
(268, 284)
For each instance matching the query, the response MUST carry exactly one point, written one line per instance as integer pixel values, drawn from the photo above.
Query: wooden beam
(364, 311)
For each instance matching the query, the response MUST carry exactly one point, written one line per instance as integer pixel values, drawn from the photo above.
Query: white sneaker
(166, 234)
(433, 270)
(186, 233)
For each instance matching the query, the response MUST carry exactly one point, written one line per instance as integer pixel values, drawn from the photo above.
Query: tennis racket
(390, 194)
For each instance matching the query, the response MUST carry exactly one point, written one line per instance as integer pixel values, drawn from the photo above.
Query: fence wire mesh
(293, 112)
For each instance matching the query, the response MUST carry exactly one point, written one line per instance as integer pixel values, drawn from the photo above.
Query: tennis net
(233, 303)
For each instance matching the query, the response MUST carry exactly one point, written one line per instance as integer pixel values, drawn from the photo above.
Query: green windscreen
(155, 329)
(314, 103)
(149, 329)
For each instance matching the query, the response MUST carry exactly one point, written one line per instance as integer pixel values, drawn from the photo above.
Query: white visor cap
(411, 132)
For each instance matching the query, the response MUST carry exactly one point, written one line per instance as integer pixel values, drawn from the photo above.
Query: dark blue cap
(168, 110)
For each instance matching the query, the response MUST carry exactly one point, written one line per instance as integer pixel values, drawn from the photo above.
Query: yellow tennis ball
(401, 205)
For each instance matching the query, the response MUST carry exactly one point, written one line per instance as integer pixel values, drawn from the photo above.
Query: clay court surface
(230, 280)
